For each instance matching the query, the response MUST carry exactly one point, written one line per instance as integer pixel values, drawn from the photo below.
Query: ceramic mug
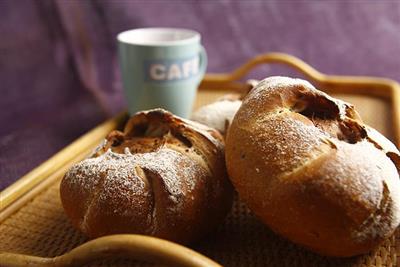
(161, 68)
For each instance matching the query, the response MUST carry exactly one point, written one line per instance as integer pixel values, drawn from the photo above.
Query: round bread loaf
(219, 114)
(309, 168)
(162, 176)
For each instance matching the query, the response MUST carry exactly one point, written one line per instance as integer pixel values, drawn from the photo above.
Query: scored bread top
(294, 150)
(161, 171)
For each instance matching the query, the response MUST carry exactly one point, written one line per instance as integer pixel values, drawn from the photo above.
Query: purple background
(58, 66)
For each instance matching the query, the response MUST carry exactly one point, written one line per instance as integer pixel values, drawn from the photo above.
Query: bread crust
(219, 114)
(309, 168)
(162, 176)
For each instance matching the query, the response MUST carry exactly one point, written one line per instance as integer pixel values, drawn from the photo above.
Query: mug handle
(203, 63)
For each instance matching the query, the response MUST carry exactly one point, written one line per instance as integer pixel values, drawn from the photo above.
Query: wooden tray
(32, 221)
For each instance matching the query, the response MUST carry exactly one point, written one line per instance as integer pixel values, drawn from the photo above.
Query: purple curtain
(59, 72)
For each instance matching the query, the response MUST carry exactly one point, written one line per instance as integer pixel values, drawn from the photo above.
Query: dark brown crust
(311, 170)
(109, 206)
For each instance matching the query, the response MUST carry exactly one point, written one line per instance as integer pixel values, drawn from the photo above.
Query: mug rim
(193, 36)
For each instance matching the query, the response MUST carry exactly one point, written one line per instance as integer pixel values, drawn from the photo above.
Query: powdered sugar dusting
(275, 138)
(89, 173)
(387, 214)
(114, 166)
(276, 83)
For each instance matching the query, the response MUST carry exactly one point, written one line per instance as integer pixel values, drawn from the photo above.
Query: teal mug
(161, 68)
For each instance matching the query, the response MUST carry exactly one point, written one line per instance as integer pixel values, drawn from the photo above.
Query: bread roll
(162, 176)
(219, 114)
(309, 168)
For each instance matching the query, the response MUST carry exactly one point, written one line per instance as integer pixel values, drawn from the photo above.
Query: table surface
(58, 67)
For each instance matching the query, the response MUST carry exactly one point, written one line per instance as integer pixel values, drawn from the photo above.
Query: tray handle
(345, 84)
(138, 247)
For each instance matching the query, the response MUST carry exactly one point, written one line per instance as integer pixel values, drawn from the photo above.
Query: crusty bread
(306, 164)
(163, 176)
(219, 114)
